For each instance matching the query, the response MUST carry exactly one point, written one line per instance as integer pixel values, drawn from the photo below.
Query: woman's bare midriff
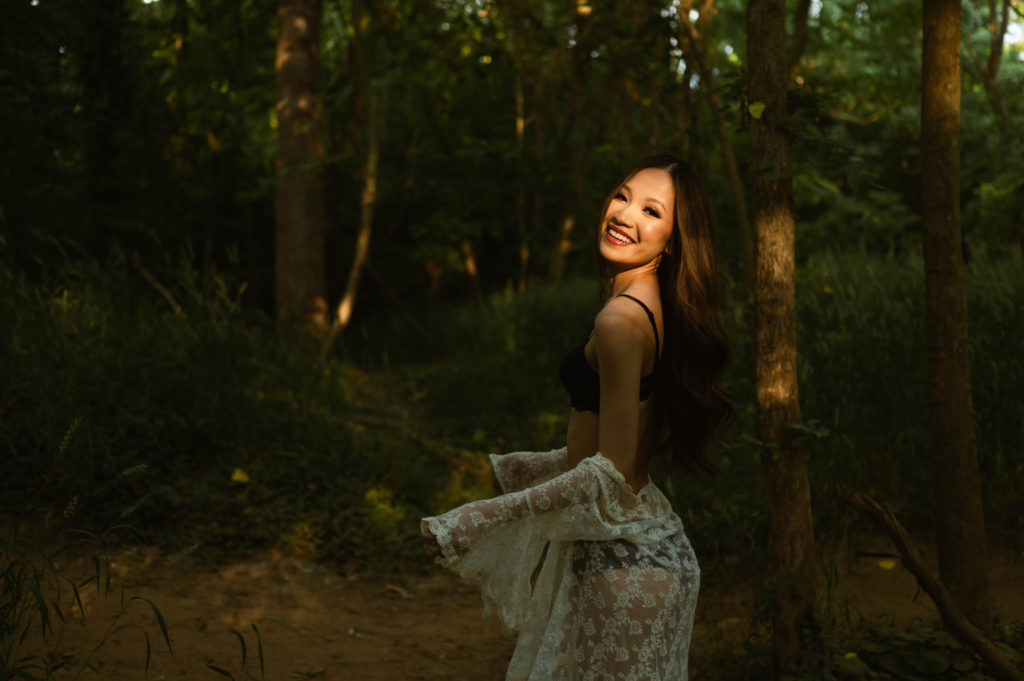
(581, 442)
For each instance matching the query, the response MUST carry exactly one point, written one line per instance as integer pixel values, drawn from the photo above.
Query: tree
(998, 22)
(958, 506)
(366, 114)
(300, 288)
(785, 472)
(697, 51)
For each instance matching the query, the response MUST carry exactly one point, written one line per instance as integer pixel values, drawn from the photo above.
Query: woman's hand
(430, 542)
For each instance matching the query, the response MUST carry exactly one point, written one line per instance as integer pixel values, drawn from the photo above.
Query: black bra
(582, 382)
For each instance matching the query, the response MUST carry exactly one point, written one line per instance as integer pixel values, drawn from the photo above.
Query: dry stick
(137, 262)
(999, 667)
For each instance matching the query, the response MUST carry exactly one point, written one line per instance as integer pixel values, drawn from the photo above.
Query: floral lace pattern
(520, 470)
(600, 583)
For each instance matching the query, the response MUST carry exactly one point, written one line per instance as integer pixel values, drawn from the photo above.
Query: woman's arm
(619, 340)
(519, 470)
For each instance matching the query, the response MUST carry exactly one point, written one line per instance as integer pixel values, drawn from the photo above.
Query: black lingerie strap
(650, 315)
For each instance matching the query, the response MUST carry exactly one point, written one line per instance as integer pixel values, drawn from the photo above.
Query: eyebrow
(652, 199)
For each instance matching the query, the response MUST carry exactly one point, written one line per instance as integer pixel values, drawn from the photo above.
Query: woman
(582, 554)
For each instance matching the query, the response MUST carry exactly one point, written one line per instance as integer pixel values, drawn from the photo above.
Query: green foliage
(236, 436)
(496, 384)
(871, 650)
(207, 429)
(39, 596)
(863, 372)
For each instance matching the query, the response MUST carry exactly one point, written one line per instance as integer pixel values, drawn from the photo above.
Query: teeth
(619, 237)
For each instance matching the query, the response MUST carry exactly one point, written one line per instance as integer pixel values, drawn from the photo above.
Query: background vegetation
(136, 261)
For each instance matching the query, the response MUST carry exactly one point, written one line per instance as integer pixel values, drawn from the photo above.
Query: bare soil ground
(317, 624)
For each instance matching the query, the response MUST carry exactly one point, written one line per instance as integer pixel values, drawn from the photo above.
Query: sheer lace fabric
(614, 595)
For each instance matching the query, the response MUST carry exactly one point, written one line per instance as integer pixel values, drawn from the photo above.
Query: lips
(617, 237)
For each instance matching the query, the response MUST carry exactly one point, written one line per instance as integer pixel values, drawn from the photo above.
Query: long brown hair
(691, 402)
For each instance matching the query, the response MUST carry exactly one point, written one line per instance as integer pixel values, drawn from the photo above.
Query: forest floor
(318, 623)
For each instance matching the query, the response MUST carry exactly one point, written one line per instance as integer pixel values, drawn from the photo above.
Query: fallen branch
(137, 262)
(999, 667)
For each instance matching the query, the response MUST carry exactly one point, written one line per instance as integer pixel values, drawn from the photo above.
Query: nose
(625, 215)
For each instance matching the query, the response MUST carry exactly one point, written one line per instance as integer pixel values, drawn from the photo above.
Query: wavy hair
(691, 402)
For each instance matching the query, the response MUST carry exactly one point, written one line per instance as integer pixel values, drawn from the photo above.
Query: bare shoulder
(621, 326)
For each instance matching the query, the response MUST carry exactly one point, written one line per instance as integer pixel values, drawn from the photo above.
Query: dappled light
(277, 278)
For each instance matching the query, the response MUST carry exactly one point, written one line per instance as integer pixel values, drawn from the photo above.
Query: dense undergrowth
(238, 438)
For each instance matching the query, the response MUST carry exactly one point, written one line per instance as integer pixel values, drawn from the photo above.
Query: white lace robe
(616, 590)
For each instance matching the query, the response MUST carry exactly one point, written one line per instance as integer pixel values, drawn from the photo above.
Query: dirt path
(317, 624)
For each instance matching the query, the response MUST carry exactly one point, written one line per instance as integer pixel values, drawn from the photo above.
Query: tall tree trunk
(785, 472)
(515, 10)
(696, 51)
(469, 263)
(959, 514)
(799, 42)
(365, 144)
(106, 103)
(367, 202)
(300, 289)
(560, 253)
(576, 153)
(998, 22)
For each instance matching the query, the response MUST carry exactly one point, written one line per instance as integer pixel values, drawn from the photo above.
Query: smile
(617, 237)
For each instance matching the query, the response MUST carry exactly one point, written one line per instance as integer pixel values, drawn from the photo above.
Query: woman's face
(639, 221)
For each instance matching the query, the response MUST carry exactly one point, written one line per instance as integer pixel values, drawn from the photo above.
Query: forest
(276, 276)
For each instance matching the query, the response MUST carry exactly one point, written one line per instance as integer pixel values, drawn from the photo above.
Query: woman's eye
(652, 212)
(619, 196)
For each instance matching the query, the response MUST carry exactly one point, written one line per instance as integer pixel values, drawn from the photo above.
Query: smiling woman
(582, 554)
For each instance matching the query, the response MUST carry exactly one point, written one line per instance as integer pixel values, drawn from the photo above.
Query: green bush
(248, 440)
(245, 438)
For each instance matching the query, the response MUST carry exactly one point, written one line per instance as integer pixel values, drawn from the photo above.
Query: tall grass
(863, 373)
(863, 391)
(249, 441)
(40, 594)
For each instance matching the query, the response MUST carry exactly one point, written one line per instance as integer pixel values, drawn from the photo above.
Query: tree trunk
(999, 667)
(469, 262)
(786, 481)
(998, 22)
(959, 516)
(695, 49)
(799, 43)
(300, 291)
(524, 244)
(560, 253)
(367, 202)
(106, 103)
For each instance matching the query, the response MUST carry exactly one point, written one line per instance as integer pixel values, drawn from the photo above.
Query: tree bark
(560, 253)
(998, 21)
(785, 472)
(367, 202)
(469, 262)
(300, 217)
(799, 43)
(696, 51)
(959, 515)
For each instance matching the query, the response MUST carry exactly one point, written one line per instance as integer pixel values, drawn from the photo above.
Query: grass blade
(144, 633)
(259, 647)
(159, 620)
(241, 642)
(222, 672)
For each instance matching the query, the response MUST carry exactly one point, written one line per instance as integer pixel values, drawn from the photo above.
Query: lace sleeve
(519, 470)
(598, 581)
(497, 543)
(458, 530)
